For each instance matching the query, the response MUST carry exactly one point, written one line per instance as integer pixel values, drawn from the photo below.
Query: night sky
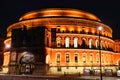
(107, 10)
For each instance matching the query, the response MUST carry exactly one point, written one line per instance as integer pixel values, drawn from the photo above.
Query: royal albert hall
(60, 41)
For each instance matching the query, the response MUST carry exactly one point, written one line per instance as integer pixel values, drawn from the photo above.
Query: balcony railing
(82, 32)
(84, 47)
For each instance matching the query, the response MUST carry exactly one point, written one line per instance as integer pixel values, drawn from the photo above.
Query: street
(41, 77)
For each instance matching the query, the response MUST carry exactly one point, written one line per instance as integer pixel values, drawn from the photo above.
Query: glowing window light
(47, 59)
(75, 42)
(90, 43)
(67, 42)
(96, 43)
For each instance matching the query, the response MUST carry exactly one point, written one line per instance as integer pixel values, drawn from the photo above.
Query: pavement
(41, 77)
(98, 78)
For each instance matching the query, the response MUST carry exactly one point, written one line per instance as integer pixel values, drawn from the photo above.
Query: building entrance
(26, 65)
(26, 68)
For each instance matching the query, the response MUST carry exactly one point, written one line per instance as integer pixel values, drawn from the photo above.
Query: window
(83, 43)
(76, 58)
(97, 57)
(75, 42)
(96, 43)
(90, 43)
(47, 59)
(58, 42)
(59, 69)
(58, 27)
(58, 58)
(76, 67)
(101, 45)
(105, 45)
(84, 58)
(27, 57)
(67, 58)
(67, 67)
(91, 58)
(67, 41)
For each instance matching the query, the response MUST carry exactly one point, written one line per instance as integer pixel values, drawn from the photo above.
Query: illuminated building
(64, 41)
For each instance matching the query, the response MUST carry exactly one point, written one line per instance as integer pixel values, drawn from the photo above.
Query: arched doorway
(26, 63)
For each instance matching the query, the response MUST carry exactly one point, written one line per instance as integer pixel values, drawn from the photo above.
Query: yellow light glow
(62, 29)
(47, 59)
(6, 58)
(86, 30)
(93, 31)
(71, 29)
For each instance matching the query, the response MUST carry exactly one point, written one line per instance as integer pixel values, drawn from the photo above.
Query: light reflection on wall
(6, 58)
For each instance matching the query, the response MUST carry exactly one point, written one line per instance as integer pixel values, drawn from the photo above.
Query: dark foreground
(35, 77)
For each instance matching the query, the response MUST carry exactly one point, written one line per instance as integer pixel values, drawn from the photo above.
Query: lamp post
(7, 46)
(99, 29)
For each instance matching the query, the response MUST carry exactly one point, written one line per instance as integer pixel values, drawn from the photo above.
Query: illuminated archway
(90, 43)
(67, 42)
(58, 41)
(26, 63)
(75, 42)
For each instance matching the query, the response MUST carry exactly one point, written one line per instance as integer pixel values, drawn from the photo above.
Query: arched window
(67, 57)
(58, 57)
(76, 57)
(105, 45)
(47, 59)
(27, 57)
(67, 42)
(76, 42)
(90, 43)
(101, 46)
(58, 41)
(83, 43)
(96, 43)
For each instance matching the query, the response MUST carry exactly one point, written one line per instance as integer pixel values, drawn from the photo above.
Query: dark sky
(107, 10)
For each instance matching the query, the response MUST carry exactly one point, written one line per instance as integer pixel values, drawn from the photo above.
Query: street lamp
(7, 46)
(99, 29)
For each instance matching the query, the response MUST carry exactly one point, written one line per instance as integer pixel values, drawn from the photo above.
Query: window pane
(75, 42)
(58, 42)
(84, 58)
(67, 58)
(58, 58)
(67, 42)
(96, 43)
(76, 58)
(90, 43)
